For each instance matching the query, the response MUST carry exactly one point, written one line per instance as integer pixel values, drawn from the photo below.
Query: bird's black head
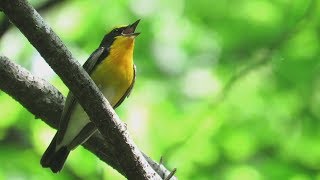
(124, 31)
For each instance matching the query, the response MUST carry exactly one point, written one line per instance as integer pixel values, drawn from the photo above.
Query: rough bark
(5, 23)
(46, 102)
(48, 44)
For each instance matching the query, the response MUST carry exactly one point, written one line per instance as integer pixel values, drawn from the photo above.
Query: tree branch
(5, 23)
(35, 94)
(46, 102)
(42, 37)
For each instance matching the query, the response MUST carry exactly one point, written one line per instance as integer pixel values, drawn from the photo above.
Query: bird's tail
(54, 159)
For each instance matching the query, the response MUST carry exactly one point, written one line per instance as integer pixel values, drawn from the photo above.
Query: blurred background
(225, 89)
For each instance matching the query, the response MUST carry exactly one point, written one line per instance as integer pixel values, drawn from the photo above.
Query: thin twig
(171, 174)
(46, 102)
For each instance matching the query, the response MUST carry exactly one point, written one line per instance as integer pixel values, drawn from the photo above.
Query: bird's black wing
(127, 93)
(95, 58)
(70, 103)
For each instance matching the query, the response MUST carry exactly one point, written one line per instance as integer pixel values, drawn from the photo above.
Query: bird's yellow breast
(115, 73)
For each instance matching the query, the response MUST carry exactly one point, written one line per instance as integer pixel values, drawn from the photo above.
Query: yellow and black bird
(111, 68)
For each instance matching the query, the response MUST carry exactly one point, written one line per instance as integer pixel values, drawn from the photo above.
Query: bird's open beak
(129, 30)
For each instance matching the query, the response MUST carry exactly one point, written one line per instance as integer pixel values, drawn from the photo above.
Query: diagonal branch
(42, 37)
(46, 102)
(5, 23)
(35, 94)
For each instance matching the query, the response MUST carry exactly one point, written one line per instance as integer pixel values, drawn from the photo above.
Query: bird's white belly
(79, 118)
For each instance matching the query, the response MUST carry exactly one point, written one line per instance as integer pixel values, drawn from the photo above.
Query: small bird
(111, 67)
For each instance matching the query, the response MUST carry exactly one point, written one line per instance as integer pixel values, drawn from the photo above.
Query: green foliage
(225, 89)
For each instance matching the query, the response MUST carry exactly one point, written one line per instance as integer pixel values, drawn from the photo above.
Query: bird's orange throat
(121, 51)
(116, 70)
